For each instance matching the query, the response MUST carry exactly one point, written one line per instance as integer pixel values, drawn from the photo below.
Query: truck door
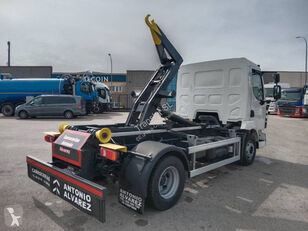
(258, 106)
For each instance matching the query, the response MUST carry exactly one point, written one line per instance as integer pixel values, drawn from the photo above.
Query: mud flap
(81, 193)
(132, 185)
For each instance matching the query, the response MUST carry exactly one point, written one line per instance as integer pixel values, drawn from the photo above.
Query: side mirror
(277, 92)
(276, 78)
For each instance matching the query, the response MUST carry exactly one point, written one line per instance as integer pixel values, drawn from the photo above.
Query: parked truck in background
(104, 97)
(305, 106)
(220, 119)
(270, 101)
(291, 103)
(14, 92)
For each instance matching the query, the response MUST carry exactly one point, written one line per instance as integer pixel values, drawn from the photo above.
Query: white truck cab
(104, 96)
(271, 102)
(229, 89)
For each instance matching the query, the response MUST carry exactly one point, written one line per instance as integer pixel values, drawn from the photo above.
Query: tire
(248, 151)
(7, 110)
(96, 109)
(68, 114)
(23, 114)
(166, 183)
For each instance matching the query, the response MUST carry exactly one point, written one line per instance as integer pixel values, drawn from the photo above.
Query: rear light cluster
(109, 154)
(50, 138)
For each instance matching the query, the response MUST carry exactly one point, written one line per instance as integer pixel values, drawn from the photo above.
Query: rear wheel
(68, 114)
(249, 150)
(166, 183)
(23, 115)
(7, 110)
(96, 109)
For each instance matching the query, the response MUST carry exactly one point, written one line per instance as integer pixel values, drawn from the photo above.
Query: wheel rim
(168, 182)
(250, 150)
(23, 114)
(96, 109)
(68, 115)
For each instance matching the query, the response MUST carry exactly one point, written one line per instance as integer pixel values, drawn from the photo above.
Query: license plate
(81, 193)
(68, 145)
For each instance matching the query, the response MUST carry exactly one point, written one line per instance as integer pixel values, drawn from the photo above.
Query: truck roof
(241, 59)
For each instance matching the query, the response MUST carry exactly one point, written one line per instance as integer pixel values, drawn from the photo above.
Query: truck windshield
(102, 93)
(85, 88)
(290, 95)
(268, 92)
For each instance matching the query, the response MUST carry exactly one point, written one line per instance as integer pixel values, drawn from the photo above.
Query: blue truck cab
(291, 103)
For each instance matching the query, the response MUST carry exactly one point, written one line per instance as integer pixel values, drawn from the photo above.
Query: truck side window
(85, 88)
(102, 93)
(257, 86)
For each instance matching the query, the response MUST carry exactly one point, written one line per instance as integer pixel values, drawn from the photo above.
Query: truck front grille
(287, 110)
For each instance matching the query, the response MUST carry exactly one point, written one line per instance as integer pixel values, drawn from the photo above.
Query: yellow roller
(63, 126)
(103, 135)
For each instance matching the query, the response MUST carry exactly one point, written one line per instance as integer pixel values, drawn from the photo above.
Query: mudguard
(136, 172)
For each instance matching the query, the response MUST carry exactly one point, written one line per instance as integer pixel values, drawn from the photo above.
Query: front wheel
(166, 183)
(68, 115)
(23, 115)
(249, 150)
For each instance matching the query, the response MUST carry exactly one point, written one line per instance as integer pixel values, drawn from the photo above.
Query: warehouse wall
(136, 81)
(27, 71)
(294, 78)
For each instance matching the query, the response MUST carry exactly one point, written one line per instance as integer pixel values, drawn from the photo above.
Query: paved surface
(272, 194)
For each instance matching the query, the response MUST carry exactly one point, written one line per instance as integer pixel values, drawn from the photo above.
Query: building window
(115, 88)
(115, 104)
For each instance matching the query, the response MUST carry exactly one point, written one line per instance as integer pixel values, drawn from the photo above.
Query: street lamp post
(305, 58)
(9, 53)
(110, 72)
(110, 67)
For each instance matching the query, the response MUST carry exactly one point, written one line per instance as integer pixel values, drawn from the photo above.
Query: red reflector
(79, 106)
(49, 138)
(109, 154)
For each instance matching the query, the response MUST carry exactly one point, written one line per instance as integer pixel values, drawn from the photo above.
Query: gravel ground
(271, 194)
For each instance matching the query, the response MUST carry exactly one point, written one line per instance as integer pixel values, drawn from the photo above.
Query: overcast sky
(77, 35)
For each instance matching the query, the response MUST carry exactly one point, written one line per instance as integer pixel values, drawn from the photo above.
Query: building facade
(136, 80)
(27, 71)
(294, 78)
